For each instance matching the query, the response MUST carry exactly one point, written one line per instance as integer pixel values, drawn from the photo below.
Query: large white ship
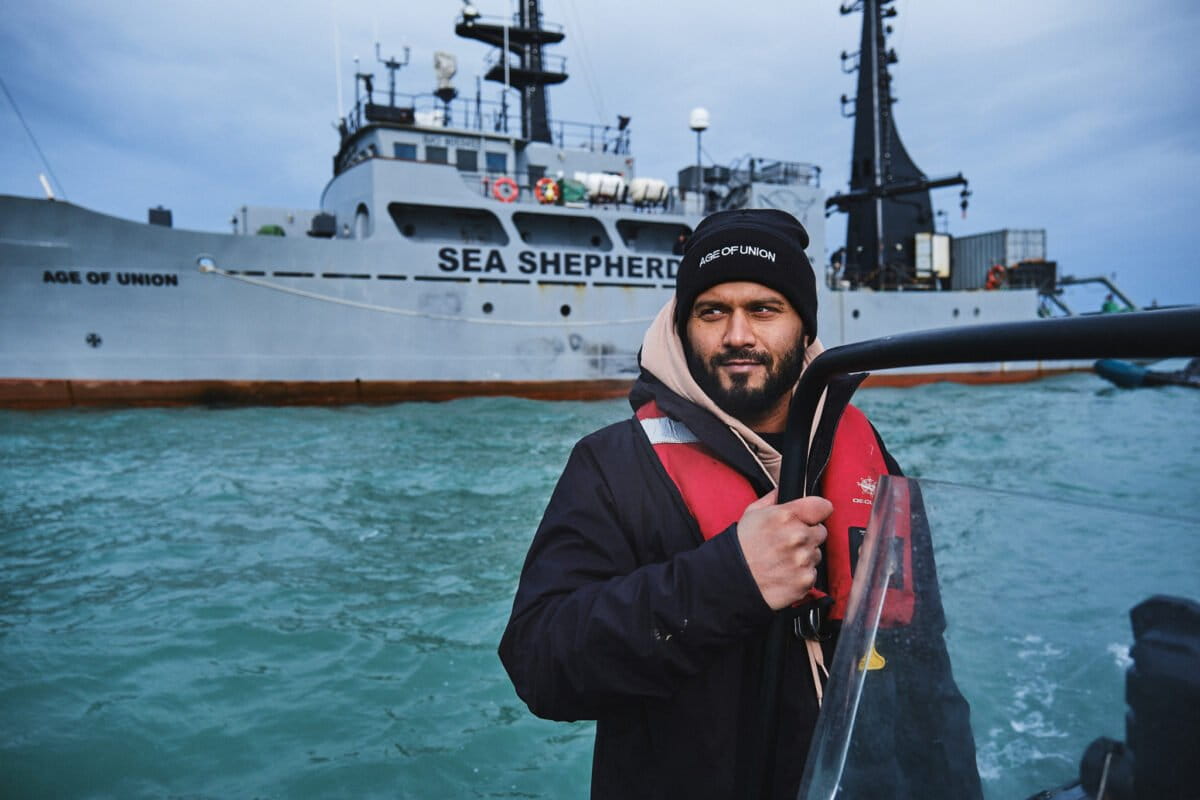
(460, 249)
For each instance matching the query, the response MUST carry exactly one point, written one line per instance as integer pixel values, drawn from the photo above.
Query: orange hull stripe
(39, 393)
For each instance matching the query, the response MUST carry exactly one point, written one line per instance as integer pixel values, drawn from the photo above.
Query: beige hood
(662, 355)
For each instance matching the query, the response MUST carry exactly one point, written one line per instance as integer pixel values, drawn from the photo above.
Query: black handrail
(1143, 334)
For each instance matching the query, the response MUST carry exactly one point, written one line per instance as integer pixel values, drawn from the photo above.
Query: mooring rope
(404, 312)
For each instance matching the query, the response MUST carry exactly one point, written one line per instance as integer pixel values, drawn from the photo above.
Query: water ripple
(311, 598)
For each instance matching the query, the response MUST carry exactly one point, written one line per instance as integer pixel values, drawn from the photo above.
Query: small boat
(1129, 375)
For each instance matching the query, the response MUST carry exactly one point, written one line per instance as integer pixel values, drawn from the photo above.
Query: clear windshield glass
(1041, 667)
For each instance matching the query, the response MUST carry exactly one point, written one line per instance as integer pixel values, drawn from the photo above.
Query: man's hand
(781, 544)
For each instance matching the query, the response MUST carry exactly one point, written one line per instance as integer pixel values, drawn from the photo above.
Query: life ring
(546, 191)
(996, 277)
(505, 189)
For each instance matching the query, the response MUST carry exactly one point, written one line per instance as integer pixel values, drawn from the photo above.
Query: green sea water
(306, 602)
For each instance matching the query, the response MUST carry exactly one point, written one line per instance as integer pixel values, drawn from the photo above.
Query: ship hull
(102, 311)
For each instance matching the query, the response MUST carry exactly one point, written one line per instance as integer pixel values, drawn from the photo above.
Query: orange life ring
(546, 191)
(996, 277)
(505, 189)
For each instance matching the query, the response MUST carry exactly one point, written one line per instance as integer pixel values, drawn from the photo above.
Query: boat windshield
(1036, 594)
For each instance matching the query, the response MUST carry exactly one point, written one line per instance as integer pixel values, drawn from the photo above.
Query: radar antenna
(393, 66)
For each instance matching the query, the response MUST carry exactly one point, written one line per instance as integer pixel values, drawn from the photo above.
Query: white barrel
(602, 186)
(647, 191)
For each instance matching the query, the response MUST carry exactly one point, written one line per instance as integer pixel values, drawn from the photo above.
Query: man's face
(745, 348)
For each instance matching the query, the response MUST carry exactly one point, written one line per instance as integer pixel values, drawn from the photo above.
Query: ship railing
(481, 115)
(768, 170)
(723, 187)
(551, 64)
(430, 111)
(513, 21)
(590, 137)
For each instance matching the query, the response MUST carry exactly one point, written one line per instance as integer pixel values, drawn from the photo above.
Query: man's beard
(740, 401)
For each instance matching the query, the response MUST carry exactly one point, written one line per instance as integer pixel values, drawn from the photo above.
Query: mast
(533, 72)
(535, 112)
(888, 202)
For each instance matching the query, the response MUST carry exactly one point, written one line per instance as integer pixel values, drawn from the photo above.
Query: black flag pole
(1143, 334)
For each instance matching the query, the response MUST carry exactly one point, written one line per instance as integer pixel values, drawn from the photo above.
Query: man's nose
(739, 333)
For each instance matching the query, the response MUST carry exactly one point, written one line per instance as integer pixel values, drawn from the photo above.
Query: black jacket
(625, 615)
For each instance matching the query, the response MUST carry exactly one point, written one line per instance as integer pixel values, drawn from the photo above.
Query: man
(663, 556)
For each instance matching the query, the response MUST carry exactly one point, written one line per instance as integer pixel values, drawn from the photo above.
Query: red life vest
(717, 495)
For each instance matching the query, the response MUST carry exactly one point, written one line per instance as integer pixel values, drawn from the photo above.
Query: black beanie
(760, 245)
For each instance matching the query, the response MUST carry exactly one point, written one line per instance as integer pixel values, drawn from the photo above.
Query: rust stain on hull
(18, 393)
(32, 394)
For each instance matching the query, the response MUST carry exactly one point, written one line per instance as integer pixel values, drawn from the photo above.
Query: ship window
(497, 162)
(562, 230)
(655, 237)
(405, 150)
(437, 155)
(468, 160)
(565, 311)
(450, 225)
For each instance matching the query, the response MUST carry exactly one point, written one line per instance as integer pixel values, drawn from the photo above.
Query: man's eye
(709, 313)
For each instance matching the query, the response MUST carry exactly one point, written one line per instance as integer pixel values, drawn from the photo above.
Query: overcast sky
(1077, 117)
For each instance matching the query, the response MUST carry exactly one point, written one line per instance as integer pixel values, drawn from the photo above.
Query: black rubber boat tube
(1140, 334)
(1144, 334)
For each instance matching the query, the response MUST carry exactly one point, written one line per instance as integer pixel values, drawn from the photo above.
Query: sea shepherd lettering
(580, 265)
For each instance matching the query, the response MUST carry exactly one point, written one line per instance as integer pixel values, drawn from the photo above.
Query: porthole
(977, 312)
(487, 308)
(854, 313)
(956, 313)
(565, 311)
